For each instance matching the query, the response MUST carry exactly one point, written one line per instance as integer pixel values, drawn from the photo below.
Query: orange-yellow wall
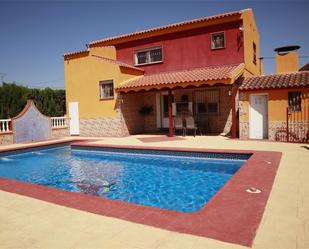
(250, 35)
(82, 77)
(277, 103)
(107, 52)
(287, 62)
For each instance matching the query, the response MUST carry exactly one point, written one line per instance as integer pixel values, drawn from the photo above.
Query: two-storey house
(181, 74)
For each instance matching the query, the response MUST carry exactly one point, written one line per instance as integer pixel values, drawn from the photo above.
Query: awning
(226, 74)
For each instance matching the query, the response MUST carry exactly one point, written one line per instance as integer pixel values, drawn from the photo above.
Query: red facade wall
(189, 49)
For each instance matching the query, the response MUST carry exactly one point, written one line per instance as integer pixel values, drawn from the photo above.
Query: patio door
(258, 117)
(164, 109)
(74, 118)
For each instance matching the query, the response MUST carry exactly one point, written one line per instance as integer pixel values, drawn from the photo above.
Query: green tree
(13, 98)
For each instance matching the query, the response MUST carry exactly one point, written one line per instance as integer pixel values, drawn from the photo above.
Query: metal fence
(296, 127)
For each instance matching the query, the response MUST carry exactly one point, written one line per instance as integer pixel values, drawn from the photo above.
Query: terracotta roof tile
(77, 53)
(197, 20)
(185, 76)
(296, 79)
(120, 63)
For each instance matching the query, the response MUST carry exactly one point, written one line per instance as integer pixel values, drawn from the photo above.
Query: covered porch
(200, 101)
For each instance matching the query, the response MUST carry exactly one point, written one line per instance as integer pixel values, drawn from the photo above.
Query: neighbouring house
(148, 80)
(276, 106)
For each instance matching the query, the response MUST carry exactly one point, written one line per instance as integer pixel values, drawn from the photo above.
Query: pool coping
(232, 215)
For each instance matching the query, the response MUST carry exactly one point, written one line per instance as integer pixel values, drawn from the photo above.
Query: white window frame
(148, 56)
(211, 39)
(104, 82)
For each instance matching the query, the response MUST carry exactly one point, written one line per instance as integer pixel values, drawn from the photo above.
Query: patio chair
(179, 125)
(190, 125)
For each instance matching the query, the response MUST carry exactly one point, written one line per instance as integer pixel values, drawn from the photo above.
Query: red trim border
(232, 215)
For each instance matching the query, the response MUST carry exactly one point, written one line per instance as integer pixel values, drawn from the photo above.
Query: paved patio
(30, 223)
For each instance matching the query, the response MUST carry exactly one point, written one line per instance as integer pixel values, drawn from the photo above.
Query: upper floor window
(254, 53)
(294, 99)
(217, 40)
(106, 89)
(148, 56)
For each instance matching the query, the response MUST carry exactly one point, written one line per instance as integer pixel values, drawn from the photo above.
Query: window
(148, 56)
(155, 55)
(217, 40)
(207, 102)
(106, 89)
(254, 53)
(294, 99)
(141, 58)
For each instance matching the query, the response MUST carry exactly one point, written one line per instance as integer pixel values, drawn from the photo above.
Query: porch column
(170, 114)
(234, 91)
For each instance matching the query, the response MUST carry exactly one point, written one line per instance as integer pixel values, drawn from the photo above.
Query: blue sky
(35, 34)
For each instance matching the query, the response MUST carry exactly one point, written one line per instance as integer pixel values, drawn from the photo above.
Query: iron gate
(296, 127)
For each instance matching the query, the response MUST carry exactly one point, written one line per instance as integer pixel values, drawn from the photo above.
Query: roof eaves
(67, 55)
(169, 26)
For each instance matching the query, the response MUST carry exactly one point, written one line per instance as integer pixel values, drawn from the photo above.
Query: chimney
(287, 59)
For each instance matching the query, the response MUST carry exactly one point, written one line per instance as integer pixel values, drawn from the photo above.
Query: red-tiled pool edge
(232, 215)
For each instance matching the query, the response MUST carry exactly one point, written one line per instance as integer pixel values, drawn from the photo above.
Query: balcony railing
(56, 122)
(5, 125)
(59, 122)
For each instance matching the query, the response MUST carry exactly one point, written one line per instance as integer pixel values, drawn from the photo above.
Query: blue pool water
(178, 183)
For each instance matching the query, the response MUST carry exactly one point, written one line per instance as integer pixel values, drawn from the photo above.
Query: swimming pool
(180, 181)
(232, 215)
